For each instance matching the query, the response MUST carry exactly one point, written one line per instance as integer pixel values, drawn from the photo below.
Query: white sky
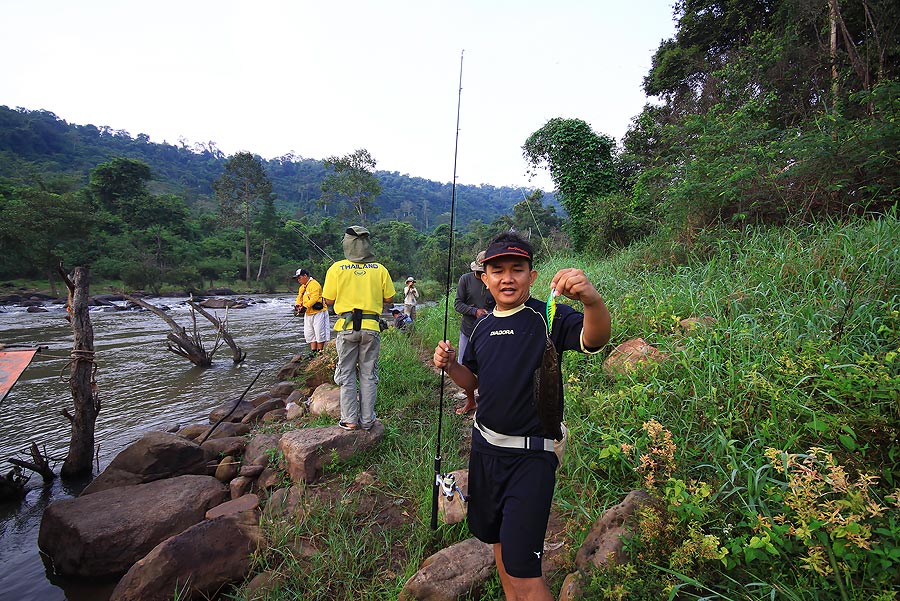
(326, 78)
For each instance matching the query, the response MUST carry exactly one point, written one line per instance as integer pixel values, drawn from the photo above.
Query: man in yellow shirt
(358, 287)
(309, 303)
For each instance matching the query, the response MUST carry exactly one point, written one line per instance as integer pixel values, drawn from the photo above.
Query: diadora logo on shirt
(502, 333)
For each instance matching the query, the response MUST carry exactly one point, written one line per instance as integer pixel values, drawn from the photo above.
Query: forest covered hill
(37, 144)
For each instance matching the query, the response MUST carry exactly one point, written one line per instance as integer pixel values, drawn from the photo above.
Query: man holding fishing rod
(309, 303)
(512, 357)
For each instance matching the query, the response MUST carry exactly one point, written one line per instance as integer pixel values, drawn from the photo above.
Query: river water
(142, 387)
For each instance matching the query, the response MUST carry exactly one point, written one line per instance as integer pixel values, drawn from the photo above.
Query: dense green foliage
(762, 119)
(352, 179)
(581, 165)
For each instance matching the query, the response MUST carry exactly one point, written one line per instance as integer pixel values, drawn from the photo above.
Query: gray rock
(295, 397)
(197, 562)
(240, 486)
(282, 390)
(102, 534)
(306, 450)
(605, 540)
(251, 470)
(240, 411)
(226, 430)
(326, 400)
(258, 412)
(214, 448)
(259, 449)
(451, 574)
(260, 399)
(192, 431)
(154, 456)
(246, 503)
(275, 416)
(295, 410)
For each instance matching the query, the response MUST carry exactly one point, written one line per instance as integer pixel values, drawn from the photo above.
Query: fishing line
(534, 219)
(438, 479)
(297, 230)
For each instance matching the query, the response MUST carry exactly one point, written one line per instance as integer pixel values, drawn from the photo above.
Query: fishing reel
(447, 484)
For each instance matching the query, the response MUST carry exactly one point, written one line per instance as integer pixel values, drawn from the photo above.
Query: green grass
(354, 546)
(804, 352)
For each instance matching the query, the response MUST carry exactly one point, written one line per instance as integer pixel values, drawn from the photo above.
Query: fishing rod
(287, 323)
(438, 478)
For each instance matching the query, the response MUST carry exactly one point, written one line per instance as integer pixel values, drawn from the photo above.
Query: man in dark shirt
(512, 466)
(473, 301)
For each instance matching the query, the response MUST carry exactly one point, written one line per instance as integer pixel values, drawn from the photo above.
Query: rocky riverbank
(185, 511)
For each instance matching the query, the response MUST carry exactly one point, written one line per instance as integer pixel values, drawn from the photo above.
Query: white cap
(410, 279)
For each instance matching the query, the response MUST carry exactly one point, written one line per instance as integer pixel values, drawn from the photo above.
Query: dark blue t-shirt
(504, 350)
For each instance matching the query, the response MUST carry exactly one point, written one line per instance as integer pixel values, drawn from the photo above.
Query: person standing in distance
(359, 288)
(410, 297)
(315, 315)
(473, 301)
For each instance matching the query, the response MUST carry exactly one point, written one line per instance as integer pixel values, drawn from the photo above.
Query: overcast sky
(325, 78)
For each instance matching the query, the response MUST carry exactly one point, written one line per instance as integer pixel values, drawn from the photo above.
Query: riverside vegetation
(768, 438)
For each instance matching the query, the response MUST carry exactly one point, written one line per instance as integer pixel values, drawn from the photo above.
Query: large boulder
(223, 303)
(196, 562)
(326, 400)
(102, 534)
(451, 573)
(156, 455)
(605, 541)
(306, 450)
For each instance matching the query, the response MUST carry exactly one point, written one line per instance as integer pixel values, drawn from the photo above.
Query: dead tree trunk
(238, 355)
(189, 346)
(81, 381)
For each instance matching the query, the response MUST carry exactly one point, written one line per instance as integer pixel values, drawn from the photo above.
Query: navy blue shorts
(509, 503)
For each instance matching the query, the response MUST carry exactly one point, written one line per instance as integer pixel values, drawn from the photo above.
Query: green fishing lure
(551, 309)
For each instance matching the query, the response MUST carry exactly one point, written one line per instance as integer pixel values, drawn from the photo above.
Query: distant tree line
(38, 148)
(146, 240)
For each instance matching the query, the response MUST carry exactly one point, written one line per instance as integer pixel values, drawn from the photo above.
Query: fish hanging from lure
(547, 380)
